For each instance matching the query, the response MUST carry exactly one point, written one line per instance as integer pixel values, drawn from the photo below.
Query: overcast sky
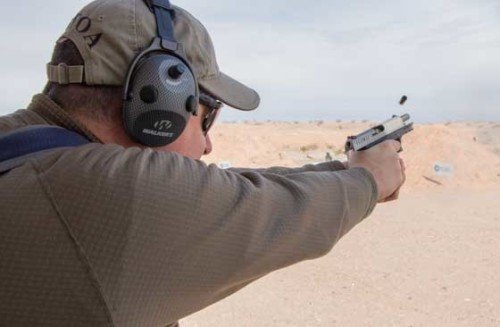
(309, 60)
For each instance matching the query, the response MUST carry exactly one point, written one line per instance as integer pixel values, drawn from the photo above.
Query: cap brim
(231, 92)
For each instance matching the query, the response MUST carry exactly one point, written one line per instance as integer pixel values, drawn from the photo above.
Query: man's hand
(385, 165)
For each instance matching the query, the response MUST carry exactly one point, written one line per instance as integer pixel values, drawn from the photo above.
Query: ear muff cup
(161, 95)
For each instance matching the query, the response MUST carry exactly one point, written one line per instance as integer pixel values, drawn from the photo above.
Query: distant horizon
(355, 121)
(231, 115)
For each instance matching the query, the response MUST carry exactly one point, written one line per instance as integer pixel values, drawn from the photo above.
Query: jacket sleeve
(166, 236)
(324, 166)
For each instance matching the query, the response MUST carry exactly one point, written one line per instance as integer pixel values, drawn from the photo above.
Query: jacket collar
(55, 115)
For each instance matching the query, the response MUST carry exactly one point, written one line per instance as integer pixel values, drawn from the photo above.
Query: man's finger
(395, 195)
(396, 145)
(392, 197)
(403, 172)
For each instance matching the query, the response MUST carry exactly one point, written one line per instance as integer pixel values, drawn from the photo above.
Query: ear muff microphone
(161, 89)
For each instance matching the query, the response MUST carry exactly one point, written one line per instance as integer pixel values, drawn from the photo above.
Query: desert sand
(429, 259)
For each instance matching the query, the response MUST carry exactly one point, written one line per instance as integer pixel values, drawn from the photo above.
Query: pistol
(392, 129)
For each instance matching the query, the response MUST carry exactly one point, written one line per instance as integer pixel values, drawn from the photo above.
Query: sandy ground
(429, 259)
(471, 149)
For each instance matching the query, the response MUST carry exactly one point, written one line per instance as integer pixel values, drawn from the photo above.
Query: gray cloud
(315, 60)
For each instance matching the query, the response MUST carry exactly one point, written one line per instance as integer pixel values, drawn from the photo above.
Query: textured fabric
(33, 141)
(100, 235)
(109, 34)
(63, 74)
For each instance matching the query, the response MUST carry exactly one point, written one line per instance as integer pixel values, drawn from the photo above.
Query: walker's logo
(163, 125)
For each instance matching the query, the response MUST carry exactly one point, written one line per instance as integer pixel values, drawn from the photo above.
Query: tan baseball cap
(110, 33)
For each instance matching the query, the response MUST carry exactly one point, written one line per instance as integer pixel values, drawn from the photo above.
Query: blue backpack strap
(17, 146)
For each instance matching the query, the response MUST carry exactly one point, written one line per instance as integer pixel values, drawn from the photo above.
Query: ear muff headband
(161, 90)
(164, 18)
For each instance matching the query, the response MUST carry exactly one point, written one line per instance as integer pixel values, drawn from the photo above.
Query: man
(115, 233)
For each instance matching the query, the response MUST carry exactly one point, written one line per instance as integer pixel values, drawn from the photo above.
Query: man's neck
(53, 114)
(107, 132)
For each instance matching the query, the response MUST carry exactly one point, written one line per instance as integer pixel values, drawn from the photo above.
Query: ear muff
(161, 91)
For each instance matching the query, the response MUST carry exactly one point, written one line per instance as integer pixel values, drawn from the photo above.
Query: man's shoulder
(93, 158)
(20, 118)
(96, 164)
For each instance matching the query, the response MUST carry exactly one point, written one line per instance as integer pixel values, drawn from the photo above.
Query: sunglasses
(213, 107)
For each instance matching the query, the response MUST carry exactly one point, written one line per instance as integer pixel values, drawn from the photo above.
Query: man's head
(96, 51)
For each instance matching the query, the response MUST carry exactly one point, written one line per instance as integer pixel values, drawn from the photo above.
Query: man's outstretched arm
(324, 166)
(167, 234)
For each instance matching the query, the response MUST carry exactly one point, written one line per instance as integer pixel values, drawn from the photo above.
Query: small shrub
(309, 147)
